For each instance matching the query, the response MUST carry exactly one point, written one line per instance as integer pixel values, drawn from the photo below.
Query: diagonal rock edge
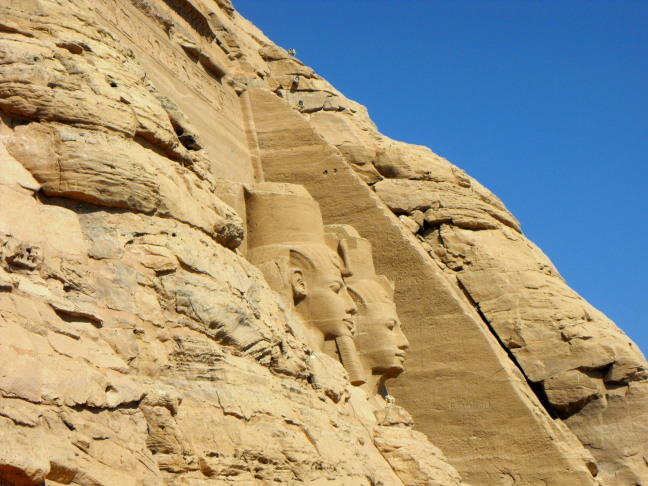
(130, 332)
(428, 192)
(537, 390)
(429, 304)
(387, 166)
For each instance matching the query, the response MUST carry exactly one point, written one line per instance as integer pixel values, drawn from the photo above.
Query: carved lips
(350, 323)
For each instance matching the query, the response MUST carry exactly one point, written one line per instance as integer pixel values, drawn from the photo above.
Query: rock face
(154, 328)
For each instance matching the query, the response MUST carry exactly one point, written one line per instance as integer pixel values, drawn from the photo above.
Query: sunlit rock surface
(139, 346)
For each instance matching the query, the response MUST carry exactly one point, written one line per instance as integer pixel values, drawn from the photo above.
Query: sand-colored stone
(136, 349)
(151, 391)
(415, 182)
(139, 346)
(446, 333)
(287, 242)
(109, 170)
(382, 350)
(584, 363)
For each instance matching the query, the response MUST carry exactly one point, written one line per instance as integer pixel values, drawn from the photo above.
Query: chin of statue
(391, 372)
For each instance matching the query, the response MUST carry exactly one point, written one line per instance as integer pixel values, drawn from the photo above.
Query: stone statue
(379, 339)
(286, 240)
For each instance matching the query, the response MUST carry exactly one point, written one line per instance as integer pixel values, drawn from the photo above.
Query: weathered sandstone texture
(140, 344)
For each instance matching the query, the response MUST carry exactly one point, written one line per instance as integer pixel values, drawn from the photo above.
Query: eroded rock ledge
(140, 345)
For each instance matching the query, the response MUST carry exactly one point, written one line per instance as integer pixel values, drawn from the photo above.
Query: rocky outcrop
(579, 364)
(140, 346)
(137, 347)
(586, 368)
(469, 399)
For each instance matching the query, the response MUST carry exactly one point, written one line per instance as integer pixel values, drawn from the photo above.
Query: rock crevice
(139, 345)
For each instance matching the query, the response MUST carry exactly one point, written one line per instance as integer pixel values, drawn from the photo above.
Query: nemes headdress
(357, 254)
(285, 226)
(285, 229)
(282, 214)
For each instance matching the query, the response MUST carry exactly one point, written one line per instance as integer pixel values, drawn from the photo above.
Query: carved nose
(403, 342)
(351, 309)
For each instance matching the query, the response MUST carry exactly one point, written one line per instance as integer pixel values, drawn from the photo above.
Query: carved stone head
(379, 339)
(320, 294)
(287, 242)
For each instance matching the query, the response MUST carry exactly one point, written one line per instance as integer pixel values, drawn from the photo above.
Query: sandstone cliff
(140, 346)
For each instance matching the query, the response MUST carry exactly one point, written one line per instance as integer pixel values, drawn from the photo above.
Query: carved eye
(391, 325)
(337, 288)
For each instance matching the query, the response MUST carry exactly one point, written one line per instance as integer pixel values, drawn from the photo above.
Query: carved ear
(298, 284)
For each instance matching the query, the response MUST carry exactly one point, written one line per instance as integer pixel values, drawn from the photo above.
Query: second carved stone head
(381, 343)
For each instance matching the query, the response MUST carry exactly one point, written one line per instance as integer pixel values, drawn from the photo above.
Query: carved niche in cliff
(313, 268)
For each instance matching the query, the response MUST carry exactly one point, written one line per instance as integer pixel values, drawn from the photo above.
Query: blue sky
(544, 102)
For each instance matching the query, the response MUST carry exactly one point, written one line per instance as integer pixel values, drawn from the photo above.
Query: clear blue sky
(544, 102)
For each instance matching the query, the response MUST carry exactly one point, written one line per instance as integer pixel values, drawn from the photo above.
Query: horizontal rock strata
(138, 346)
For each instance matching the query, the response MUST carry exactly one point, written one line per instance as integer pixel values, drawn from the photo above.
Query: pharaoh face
(321, 297)
(379, 339)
